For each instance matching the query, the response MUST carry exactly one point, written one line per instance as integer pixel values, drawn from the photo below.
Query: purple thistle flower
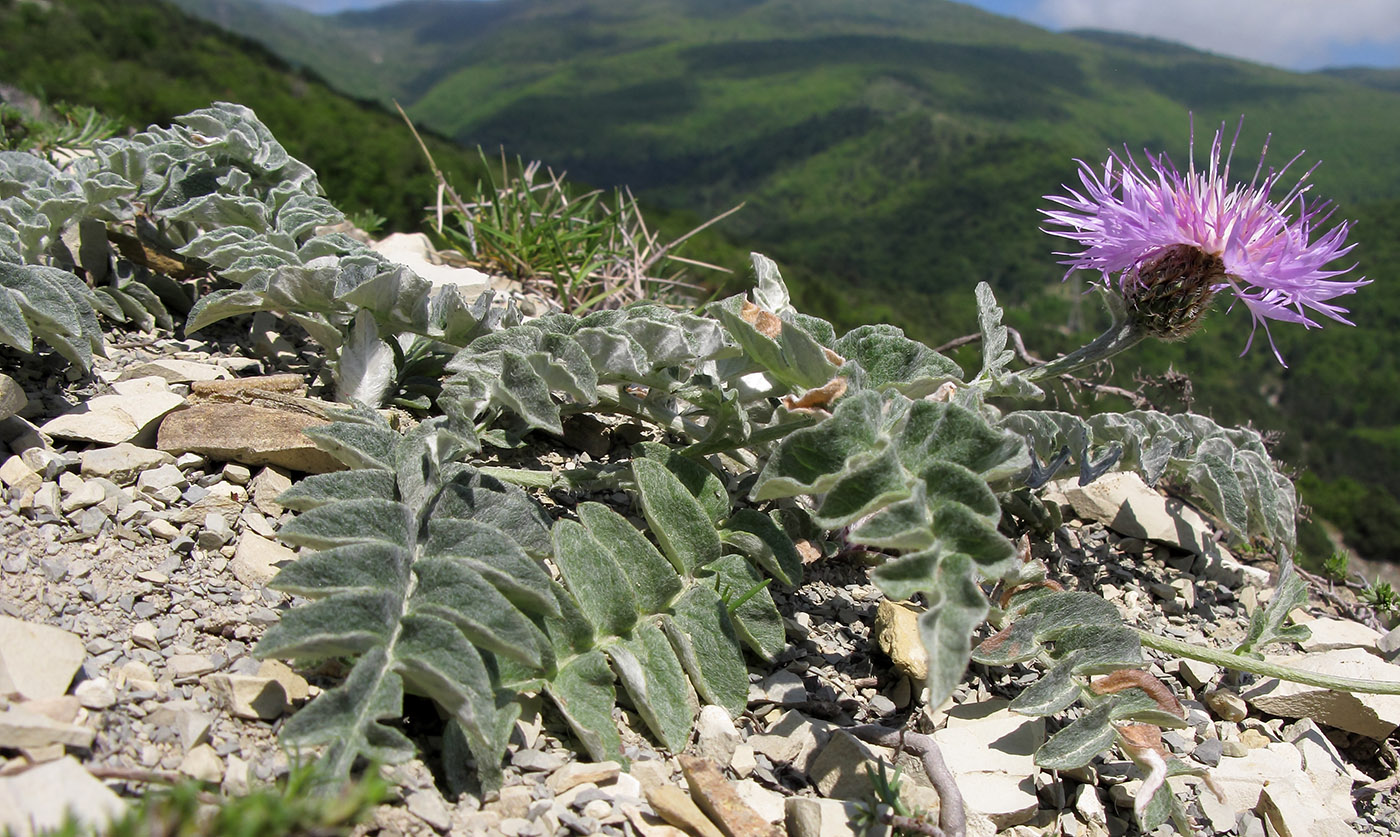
(1175, 240)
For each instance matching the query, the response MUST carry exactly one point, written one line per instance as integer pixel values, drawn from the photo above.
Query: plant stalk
(1225, 659)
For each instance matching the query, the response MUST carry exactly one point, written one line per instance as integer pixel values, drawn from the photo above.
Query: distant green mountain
(894, 152)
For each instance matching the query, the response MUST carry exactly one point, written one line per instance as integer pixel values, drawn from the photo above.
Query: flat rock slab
(122, 463)
(37, 661)
(1374, 716)
(257, 559)
(131, 415)
(1336, 634)
(246, 433)
(991, 751)
(41, 798)
(176, 371)
(1126, 504)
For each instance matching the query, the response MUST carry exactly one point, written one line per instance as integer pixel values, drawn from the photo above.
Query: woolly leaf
(583, 691)
(700, 481)
(759, 538)
(595, 579)
(652, 580)
(365, 369)
(426, 596)
(647, 666)
(1266, 623)
(955, 610)
(1077, 744)
(680, 523)
(889, 360)
(755, 616)
(708, 648)
(790, 356)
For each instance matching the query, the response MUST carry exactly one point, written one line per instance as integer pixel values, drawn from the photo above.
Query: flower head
(1177, 239)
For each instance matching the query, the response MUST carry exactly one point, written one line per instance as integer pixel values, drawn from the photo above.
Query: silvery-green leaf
(699, 480)
(959, 529)
(595, 579)
(904, 577)
(347, 719)
(906, 525)
(647, 666)
(453, 590)
(756, 618)
(437, 661)
(868, 482)
(651, 578)
(220, 305)
(583, 692)
(14, 330)
(681, 526)
(761, 541)
(1266, 624)
(614, 355)
(526, 394)
(769, 290)
(470, 494)
(319, 489)
(812, 459)
(708, 648)
(1042, 621)
(891, 360)
(353, 568)
(351, 521)
(793, 357)
(1077, 744)
(947, 432)
(956, 608)
(995, 355)
(365, 369)
(357, 444)
(152, 307)
(342, 625)
(496, 556)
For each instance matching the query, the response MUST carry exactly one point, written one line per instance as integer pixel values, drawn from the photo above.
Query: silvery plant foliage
(431, 574)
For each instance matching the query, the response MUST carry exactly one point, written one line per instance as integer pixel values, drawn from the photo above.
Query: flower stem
(1225, 659)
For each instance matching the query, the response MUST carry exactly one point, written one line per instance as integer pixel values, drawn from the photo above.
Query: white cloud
(1287, 33)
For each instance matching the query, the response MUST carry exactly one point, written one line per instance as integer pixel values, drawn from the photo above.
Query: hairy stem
(1225, 659)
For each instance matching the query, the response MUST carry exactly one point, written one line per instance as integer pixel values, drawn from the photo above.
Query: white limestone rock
(37, 661)
(1374, 716)
(38, 800)
(1336, 634)
(176, 371)
(715, 734)
(121, 463)
(257, 559)
(132, 414)
(248, 696)
(414, 251)
(1126, 504)
(991, 751)
(203, 763)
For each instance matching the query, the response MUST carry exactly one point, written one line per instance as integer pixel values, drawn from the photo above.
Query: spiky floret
(1134, 221)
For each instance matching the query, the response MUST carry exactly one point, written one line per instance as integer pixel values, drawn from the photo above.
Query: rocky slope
(139, 533)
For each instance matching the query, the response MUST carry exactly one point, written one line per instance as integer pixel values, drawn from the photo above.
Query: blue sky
(1296, 34)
